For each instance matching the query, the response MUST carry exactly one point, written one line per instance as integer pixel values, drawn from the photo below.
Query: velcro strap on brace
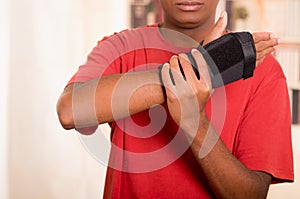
(229, 58)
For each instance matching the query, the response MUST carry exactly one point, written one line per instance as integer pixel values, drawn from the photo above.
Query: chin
(192, 18)
(191, 24)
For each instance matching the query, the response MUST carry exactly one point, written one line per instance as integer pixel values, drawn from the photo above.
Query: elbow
(65, 115)
(258, 187)
(65, 120)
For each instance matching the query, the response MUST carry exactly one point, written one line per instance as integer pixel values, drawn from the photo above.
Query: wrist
(203, 127)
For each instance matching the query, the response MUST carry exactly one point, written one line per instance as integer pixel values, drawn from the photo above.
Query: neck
(178, 34)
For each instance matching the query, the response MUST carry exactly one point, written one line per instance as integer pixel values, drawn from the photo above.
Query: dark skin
(227, 176)
(237, 181)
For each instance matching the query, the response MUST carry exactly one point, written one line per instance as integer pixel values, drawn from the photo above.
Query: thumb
(219, 29)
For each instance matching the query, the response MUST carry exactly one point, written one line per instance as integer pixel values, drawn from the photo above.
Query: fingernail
(272, 36)
(182, 56)
(222, 14)
(279, 41)
(194, 50)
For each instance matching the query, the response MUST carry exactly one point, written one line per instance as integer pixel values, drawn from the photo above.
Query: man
(230, 143)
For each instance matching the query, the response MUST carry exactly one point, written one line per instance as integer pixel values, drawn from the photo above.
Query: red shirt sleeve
(105, 59)
(264, 137)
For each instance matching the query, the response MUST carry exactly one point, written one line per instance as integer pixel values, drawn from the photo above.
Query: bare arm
(106, 99)
(227, 176)
(85, 101)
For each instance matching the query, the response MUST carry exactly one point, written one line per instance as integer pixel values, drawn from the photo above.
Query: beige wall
(4, 34)
(48, 40)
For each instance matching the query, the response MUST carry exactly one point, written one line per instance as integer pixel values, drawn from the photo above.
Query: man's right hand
(264, 41)
(264, 44)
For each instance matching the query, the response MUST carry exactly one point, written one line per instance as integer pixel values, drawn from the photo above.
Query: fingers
(173, 77)
(261, 36)
(261, 55)
(219, 28)
(262, 45)
(179, 73)
(187, 68)
(202, 68)
(187, 73)
(170, 87)
(176, 72)
(166, 76)
(187, 89)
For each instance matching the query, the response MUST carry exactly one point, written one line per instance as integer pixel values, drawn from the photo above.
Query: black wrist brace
(229, 58)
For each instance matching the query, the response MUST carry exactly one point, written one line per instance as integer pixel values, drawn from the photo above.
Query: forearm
(127, 94)
(109, 98)
(227, 176)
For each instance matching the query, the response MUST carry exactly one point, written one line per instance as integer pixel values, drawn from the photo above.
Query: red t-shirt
(151, 159)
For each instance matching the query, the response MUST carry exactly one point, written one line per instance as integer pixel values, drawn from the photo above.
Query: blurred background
(41, 45)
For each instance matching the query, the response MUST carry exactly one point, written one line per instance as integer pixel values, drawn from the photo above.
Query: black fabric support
(249, 50)
(230, 58)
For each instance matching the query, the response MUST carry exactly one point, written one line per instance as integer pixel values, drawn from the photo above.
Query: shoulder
(270, 69)
(266, 73)
(268, 78)
(119, 43)
(131, 36)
